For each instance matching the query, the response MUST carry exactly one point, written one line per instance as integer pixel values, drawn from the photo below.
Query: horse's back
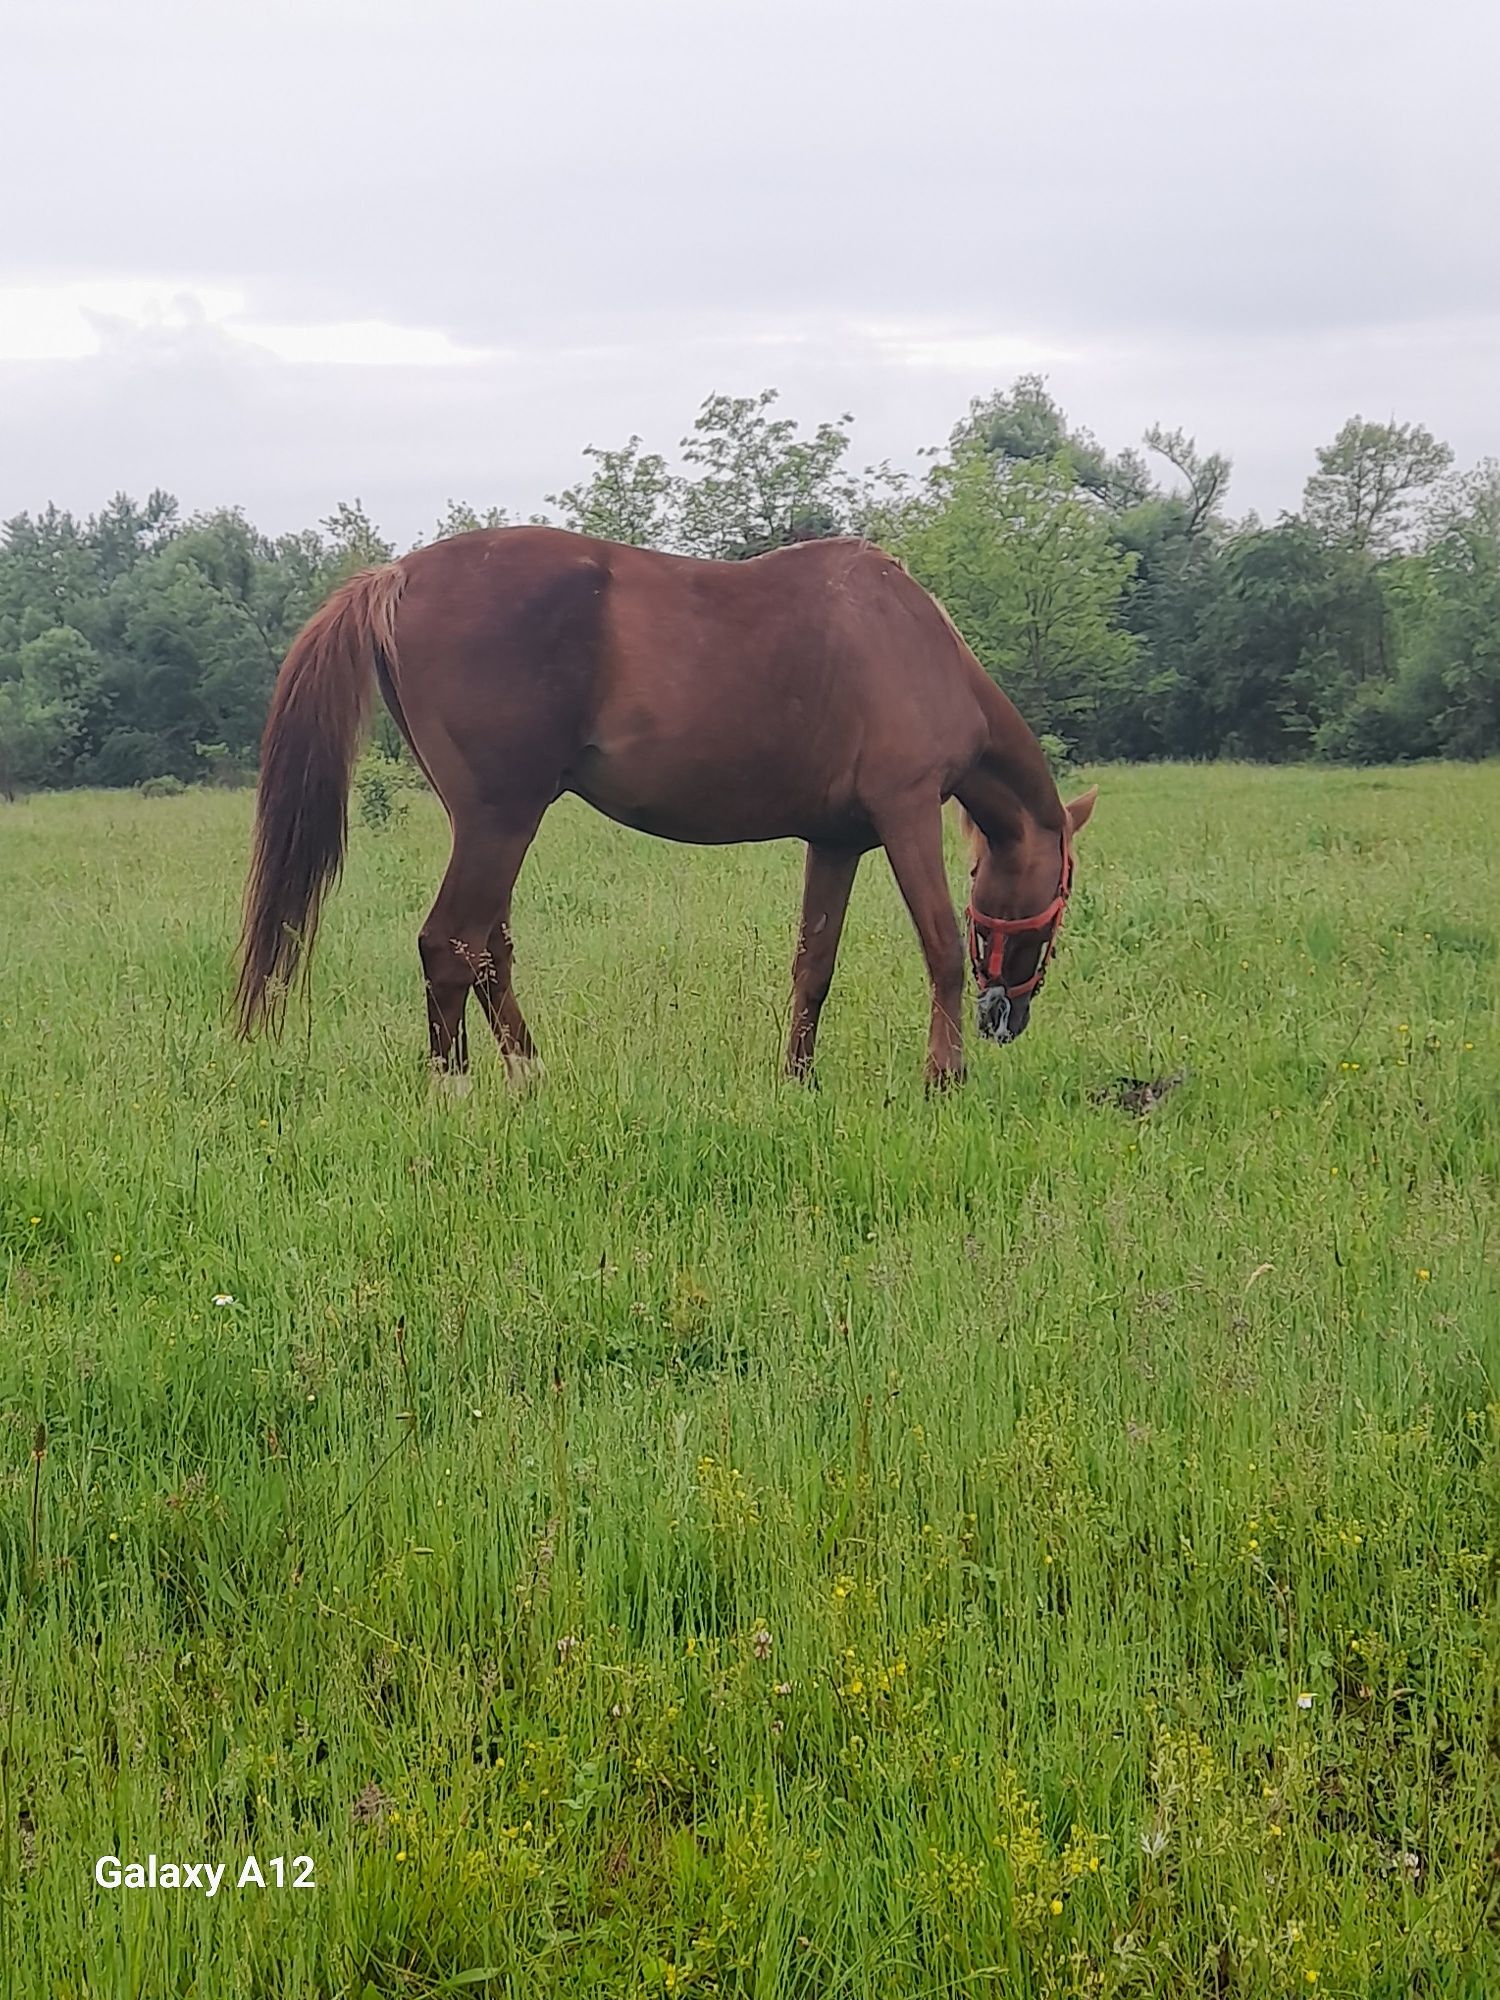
(700, 700)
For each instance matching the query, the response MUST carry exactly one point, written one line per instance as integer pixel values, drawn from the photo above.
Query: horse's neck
(1011, 791)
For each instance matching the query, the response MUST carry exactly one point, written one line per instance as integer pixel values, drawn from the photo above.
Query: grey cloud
(1248, 216)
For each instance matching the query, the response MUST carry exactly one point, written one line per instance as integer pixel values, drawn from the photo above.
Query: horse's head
(1016, 904)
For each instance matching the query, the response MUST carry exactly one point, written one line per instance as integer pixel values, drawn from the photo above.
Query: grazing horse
(815, 693)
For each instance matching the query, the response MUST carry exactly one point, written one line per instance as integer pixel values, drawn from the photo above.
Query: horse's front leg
(913, 839)
(825, 898)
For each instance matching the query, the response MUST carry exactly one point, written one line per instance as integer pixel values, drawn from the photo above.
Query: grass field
(673, 1532)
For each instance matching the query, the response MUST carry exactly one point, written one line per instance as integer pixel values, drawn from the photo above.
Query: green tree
(1299, 629)
(459, 518)
(1031, 576)
(47, 570)
(352, 542)
(1160, 709)
(630, 496)
(194, 634)
(1206, 475)
(758, 484)
(34, 739)
(1459, 650)
(121, 533)
(1369, 482)
(45, 689)
(1176, 540)
(1129, 618)
(1024, 425)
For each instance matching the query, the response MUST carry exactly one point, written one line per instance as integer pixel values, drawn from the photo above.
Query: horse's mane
(1022, 764)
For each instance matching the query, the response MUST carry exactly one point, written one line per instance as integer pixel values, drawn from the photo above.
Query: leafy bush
(1376, 726)
(125, 757)
(381, 790)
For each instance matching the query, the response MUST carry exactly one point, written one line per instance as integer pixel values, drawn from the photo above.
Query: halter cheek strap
(988, 935)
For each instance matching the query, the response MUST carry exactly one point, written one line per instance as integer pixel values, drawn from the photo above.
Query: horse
(816, 692)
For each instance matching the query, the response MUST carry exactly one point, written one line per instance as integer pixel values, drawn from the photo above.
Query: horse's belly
(703, 802)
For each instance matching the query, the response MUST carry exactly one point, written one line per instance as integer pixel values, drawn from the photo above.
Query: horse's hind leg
(502, 1010)
(465, 941)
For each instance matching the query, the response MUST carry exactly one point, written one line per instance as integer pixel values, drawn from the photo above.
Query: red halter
(987, 935)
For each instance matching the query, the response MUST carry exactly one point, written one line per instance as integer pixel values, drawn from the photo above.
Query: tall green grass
(673, 1532)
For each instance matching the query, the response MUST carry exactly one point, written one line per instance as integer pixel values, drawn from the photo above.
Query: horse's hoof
(524, 1072)
(451, 1085)
(943, 1079)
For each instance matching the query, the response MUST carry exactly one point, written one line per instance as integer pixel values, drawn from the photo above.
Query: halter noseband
(987, 935)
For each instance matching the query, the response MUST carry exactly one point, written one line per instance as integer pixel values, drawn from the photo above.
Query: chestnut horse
(815, 693)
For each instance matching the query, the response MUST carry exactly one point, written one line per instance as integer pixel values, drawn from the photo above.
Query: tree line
(1123, 608)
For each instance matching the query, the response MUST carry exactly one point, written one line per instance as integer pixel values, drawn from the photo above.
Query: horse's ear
(1080, 810)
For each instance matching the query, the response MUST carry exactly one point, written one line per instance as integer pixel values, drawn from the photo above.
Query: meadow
(674, 1532)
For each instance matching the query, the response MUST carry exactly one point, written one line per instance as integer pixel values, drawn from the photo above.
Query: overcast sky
(304, 250)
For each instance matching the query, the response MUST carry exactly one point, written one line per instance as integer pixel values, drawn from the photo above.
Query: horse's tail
(313, 732)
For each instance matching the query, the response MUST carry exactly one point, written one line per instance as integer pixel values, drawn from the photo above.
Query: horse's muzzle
(1001, 1019)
